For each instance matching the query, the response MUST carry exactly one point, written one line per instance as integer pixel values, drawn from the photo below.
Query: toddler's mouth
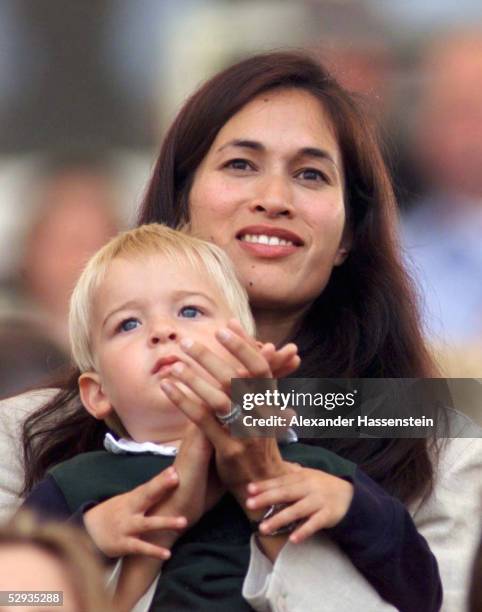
(163, 365)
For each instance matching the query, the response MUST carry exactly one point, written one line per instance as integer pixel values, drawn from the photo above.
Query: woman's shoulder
(14, 410)
(461, 449)
(451, 517)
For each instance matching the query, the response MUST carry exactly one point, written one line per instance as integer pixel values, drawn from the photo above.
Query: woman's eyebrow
(258, 146)
(317, 153)
(244, 144)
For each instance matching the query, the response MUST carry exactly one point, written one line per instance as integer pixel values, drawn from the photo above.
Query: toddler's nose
(163, 332)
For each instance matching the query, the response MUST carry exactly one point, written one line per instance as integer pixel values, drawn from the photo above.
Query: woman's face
(270, 193)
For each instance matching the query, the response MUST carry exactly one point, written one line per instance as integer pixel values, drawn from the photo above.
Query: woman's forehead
(293, 118)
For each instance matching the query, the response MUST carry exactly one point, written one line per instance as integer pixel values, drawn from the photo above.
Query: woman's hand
(282, 362)
(316, 499)
(117, 525)
(238, 460)
(199, 488)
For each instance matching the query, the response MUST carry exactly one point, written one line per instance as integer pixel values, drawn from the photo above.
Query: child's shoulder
(318, 458)
(99, 474)
(84, 461)
(98, 463)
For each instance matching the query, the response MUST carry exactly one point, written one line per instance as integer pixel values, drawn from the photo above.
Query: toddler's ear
(92, 395)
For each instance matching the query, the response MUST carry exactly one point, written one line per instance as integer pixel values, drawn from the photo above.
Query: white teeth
(263, 239)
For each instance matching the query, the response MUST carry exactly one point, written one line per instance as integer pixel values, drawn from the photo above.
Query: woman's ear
(92, 395)
(344, 248)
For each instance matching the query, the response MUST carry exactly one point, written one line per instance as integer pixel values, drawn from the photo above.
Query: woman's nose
(163, 331)
(274, 198)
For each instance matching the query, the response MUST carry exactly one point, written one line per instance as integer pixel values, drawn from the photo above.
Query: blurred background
(87, 89)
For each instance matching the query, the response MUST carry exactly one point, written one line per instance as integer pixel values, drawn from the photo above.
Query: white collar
(123, 446)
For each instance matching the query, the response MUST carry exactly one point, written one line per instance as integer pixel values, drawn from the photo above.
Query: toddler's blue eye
(190, 312)
(129, 324)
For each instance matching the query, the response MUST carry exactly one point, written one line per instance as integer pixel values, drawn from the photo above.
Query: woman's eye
(190, 312)
(239, 164)
(128, 324)
(312, 174)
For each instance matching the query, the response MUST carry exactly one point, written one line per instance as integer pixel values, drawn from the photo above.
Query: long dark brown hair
(365, 323)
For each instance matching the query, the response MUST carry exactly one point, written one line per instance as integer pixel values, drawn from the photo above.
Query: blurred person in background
(442, 232)
(75, 213)
(27, 357)
(53, 559)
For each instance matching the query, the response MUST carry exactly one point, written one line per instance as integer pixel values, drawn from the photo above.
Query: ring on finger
(233, 415)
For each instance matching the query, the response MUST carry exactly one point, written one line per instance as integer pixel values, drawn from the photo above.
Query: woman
(272, 148)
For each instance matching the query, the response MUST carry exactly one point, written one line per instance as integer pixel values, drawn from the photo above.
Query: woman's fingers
(200, 415)
(213, 397)
(212, 363)
(288, 367)
(283, 361)
(249, 355)
(235, 326)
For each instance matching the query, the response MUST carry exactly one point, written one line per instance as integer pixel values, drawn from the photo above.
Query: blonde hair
(146, 240)
(73, 550)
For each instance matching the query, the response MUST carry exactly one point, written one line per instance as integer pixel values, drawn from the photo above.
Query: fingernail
(178, 367)
(186, 343)
(264, 528)
(181, 521)
(166, 554)
(166, 386)
(251, 488)
(224, 334)
(250, 503)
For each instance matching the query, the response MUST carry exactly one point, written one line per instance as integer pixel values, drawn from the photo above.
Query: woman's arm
(451, 518)
(13, 412)
(312, 575)
(380, 547)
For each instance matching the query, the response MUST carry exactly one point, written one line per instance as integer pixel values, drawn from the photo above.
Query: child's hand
(117, 525)
(316, 498)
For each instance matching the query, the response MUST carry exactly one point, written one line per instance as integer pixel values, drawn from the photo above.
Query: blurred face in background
(448, 145)
(76, 219)
(25, 567)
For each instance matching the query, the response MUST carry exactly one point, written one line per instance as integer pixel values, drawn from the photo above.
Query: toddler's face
(141, 312)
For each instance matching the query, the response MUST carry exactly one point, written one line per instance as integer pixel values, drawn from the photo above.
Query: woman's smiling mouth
(268, 241)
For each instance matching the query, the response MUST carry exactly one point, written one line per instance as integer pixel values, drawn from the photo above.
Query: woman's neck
(277, 326)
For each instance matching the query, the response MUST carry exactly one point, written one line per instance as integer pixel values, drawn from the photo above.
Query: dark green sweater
(210, 561)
